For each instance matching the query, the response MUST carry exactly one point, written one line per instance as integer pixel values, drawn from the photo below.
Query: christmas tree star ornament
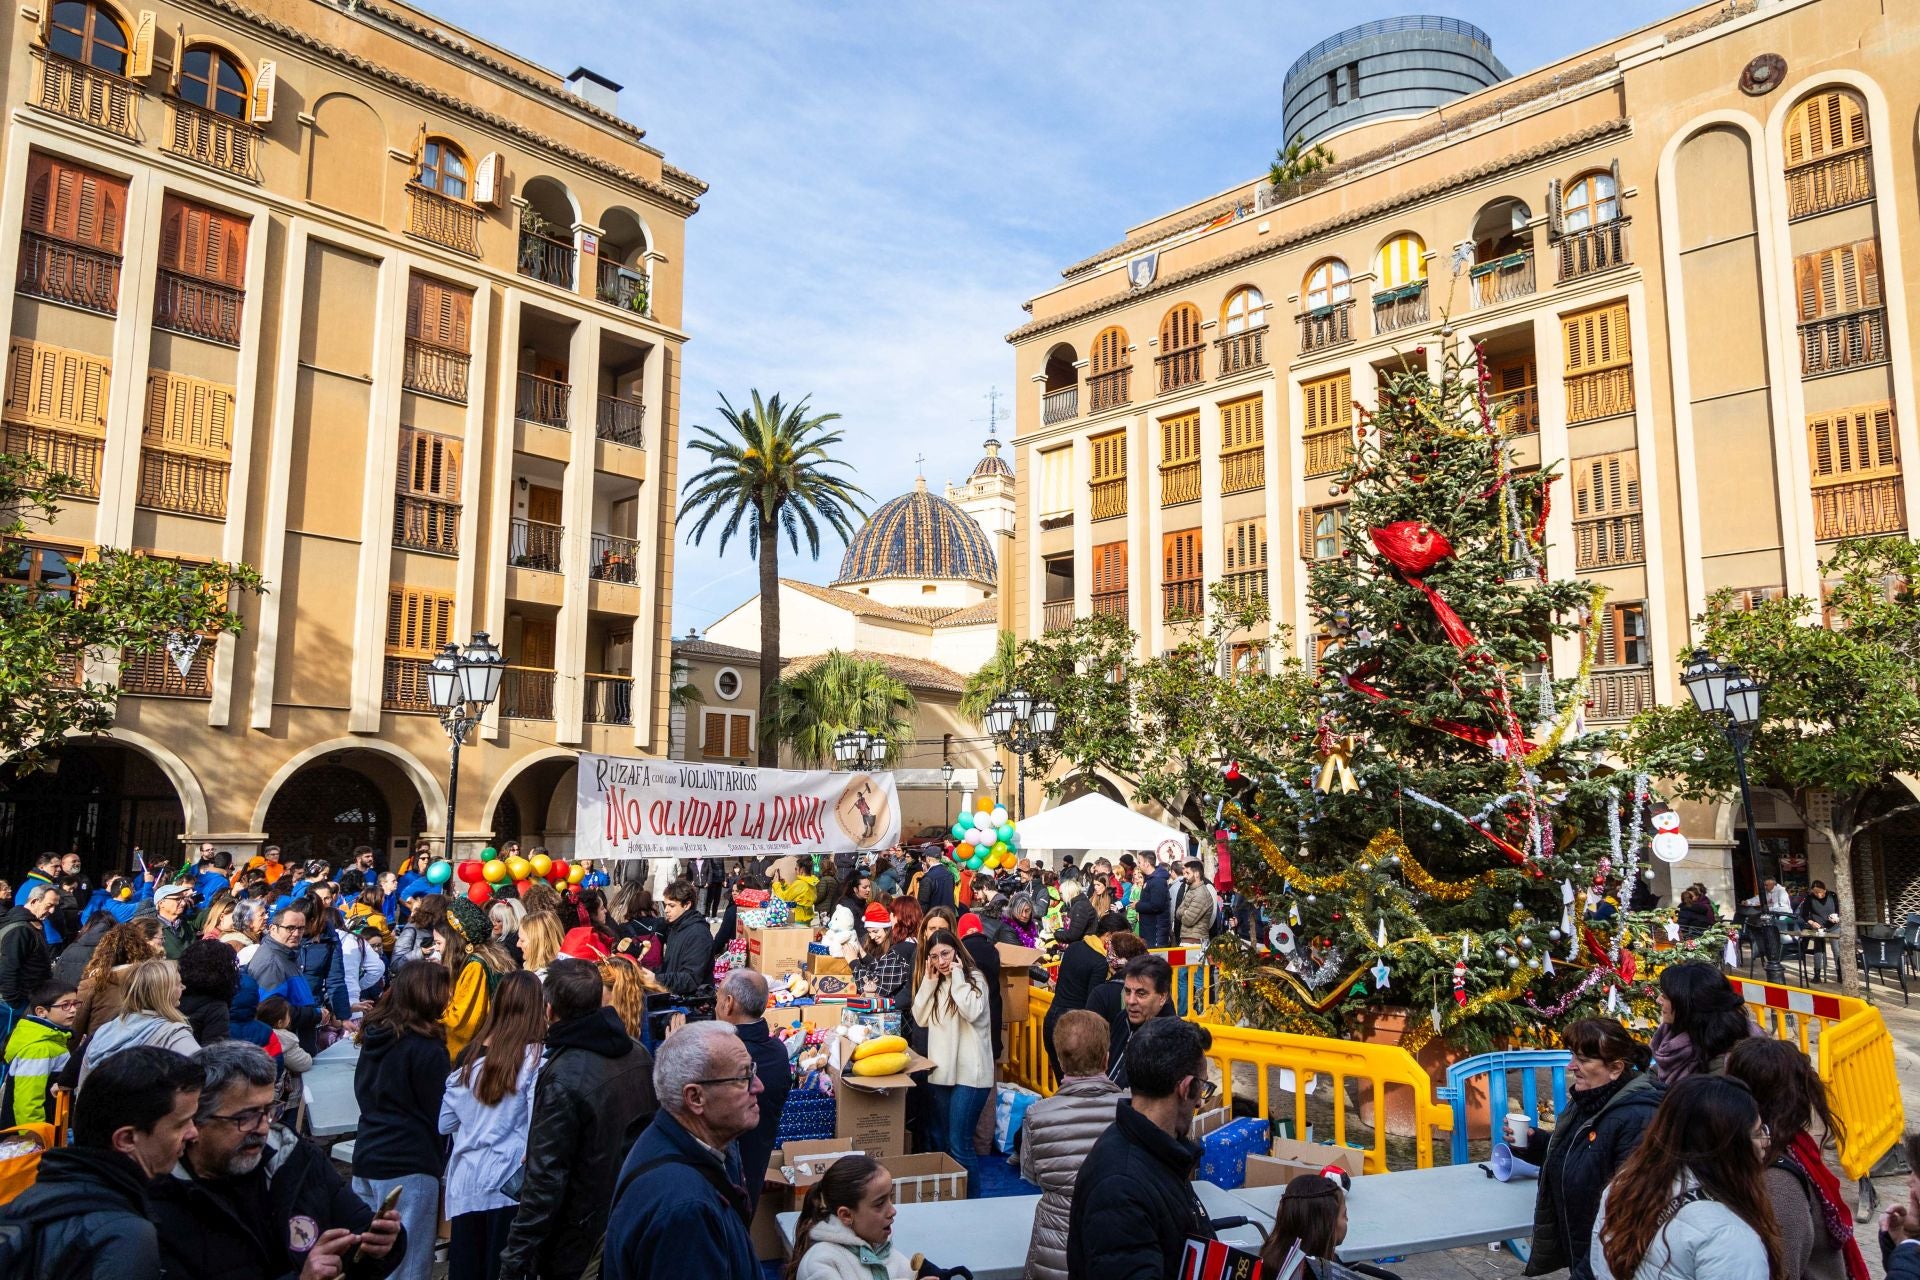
(1381, 975)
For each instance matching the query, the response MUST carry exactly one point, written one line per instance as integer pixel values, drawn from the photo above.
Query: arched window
(1327, 284)
(1180, 329)
(1825, 124)
(211, 77)
(1246, 309)
(1401, 261)
(1590, 201)
(1109, 351)
(89, 33)
(443, 168)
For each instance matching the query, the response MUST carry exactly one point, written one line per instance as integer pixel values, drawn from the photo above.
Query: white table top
(1422, 1211)
(332, 1110)
(990, 1237)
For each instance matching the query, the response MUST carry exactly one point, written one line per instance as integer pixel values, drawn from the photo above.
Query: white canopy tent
(1095, 822)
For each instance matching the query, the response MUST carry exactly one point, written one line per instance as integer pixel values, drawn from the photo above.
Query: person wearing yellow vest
(799, 892)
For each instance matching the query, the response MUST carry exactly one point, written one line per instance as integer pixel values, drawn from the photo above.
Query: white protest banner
(636, 808)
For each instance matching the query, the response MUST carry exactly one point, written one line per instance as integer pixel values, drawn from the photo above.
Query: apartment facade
(393, 314)
(1683, 256)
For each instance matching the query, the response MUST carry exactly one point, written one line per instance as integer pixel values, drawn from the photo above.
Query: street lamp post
(858, 749)
(1731, 699)
(1022, 725)
(462, 684)
(946, 781)
(998, 773)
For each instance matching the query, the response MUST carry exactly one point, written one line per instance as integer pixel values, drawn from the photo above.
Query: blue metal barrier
(1495, 1066)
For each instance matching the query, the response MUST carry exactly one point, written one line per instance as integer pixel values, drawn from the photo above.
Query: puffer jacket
(1577, 1160)
(593, 1098)
(1196, 915)
(130, 1029)
(1704, 1241)
(87, 1215)
(1056, 1136)
(833, 1253)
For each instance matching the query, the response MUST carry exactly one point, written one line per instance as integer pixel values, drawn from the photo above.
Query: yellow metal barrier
(1853, 1050)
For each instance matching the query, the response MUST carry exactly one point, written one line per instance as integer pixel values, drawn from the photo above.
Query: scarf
(1804, 1152)
(1673, 1056)
(875, 1259)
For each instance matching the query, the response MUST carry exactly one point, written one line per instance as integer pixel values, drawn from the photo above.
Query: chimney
(594, 89)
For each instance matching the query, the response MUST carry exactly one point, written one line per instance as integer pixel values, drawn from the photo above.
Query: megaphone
(1507, 1166)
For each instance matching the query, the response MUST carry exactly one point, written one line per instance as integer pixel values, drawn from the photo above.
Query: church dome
(992, 464)
(919, 535)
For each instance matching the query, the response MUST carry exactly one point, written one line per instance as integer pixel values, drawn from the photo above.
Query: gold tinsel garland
(1389, 844)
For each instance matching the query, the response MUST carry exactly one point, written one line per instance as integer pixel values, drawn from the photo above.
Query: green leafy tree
(995, 677)
(1841, 715)
(822, 698)
(112, 604)
(771, 471)
(1297, 161)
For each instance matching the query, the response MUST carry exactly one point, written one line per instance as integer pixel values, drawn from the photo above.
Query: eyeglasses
(1205, 1091)
(745, 1081)
(251, 1118)
(288, 928)
(64, 1004)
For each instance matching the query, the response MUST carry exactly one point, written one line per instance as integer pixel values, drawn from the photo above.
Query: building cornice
(1480, 173)
(441, 98)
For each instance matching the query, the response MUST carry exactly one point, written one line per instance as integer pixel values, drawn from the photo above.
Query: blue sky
(891, 180)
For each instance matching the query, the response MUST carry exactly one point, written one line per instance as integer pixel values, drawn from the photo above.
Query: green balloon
(977, 861)
(1005, 833)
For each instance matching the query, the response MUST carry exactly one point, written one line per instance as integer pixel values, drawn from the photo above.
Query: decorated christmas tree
(1436, 841)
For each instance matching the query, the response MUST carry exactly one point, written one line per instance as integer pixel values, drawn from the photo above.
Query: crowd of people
(577, 1081)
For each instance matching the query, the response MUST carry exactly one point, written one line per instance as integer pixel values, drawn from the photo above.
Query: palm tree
(682, 692)
(827, 696)
(772, 471)
(997, 675)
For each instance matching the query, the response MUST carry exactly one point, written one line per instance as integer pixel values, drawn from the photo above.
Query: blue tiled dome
(919, 535)
(992, 465)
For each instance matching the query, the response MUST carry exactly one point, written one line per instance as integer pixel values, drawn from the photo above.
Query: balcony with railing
(1600, 394)
(542, 400)
(1110, 604)
(526, 693)
(614, 559)
(403, 685)
(214, 140)
(1182, 599)
(1327, 451)
(1832, 183)
(1502, 279)
(1243, 470)
(609, 700)
(1238, 352)
(1858, 510)
(1609, 542)
(199, 308)
(1178, 369)
(1179, 482)
(1591, 250)
(1324, 327)
(621, 287)
(534, 544)
(1247, 587)
(1108, 498)
(1619, 694)
(1056, 615)
(1109, 390)
(1401, 308)
(1836, 343)
(545, 259)
(435, 371)
(65, 452)
(182, 483)
(426, 524)
(93, 97)
(74, 274)
(437, 219)
(1060, 406)
(154, 675)
(621, 420)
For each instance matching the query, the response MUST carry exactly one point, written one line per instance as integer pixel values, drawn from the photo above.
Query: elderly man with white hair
(26, 962)
(679, 1208)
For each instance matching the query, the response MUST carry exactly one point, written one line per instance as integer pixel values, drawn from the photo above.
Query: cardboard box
(828, 966)
(777, 951)
(926, 1178)
(1291, 1159)
(1205, 1122)
(832, 986)
(768, 1244)
(870, 1112)
(1014, 984)
(801, 1164)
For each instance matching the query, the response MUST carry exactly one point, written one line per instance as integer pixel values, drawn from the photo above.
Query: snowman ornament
(1668, 844)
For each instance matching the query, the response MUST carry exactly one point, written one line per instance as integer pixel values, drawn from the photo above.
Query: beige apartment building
(1684, 254)
(393, 314)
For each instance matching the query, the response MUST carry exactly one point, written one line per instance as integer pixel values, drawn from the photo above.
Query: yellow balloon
(495, 871)
(541, 864)
(518, 866)
(575, 875)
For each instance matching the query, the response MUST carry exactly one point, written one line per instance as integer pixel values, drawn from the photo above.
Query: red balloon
(520, 886)
(479, 894)
(468, 871)
(558, 871)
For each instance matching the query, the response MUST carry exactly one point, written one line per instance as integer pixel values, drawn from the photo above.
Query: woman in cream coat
(950, 1003)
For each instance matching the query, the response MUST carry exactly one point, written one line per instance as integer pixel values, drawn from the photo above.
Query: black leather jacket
(594, 1097)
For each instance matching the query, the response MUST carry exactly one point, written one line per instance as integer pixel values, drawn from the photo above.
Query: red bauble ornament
(1233, 771)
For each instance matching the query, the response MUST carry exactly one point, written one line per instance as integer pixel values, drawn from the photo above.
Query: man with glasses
(248, 1197)
(679, 1208)
(592, 1098)
(1133, 1203)
(276, 971)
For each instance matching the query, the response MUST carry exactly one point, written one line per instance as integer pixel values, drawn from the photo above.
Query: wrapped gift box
(1223, 1161)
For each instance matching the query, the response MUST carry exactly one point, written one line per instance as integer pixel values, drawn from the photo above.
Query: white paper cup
(1519, 1128)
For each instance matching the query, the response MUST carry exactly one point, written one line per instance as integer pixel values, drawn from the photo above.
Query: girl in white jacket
(845, 1230)
(950, 1002)
(487, 1107)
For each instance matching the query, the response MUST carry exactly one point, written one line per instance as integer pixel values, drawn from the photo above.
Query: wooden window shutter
(1109, 456)
(1180, 438)
(1825, 124)
(1607, 484)
(1859, 443)
(439, 314)
(140, 60)
(419, 621)
(740, 735)
(430, 465)
(188, 415)
(55, 387)
(1596, 339)
(203, 242)
(1180, 329)
(1306, 533)
(265, 80)
(1109, 351)
(1836, 281)
(713, 733)
(1245, 546)
(1328, 402)
(1623, 636)
(1180, 556)
(1109, 568)
(1241, 425)
(486, 180)
(74, 203)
